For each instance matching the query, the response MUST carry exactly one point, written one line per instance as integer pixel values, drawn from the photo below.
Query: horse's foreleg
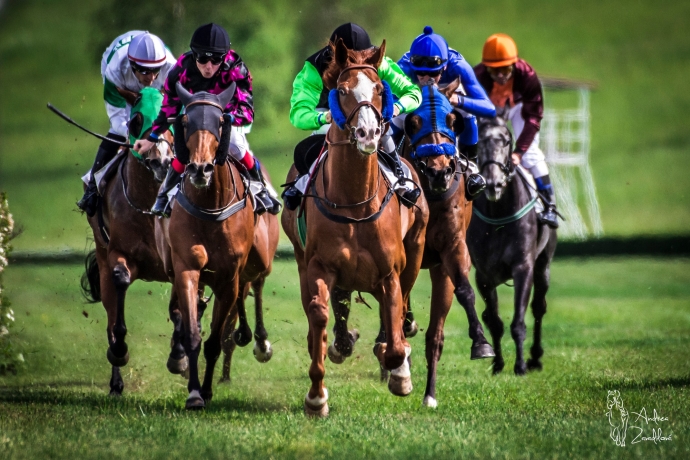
(226, 298)
(441, 300)
(109, 300)
(457, 264)
(541, 286)
(177, 360)
(262, 347)
(227, 344)
(186, 287)
(120, 279)
(344, 340)
(319, 283)
(243, 334)
(491, 317)
(523, 279)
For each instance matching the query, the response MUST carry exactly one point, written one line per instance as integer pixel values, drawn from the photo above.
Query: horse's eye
(342, 91)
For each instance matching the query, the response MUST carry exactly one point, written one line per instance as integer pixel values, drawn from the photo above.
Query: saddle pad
(103, 175)
(538, 206)
(307, 151)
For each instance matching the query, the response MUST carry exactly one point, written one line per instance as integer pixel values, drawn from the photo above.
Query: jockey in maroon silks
(509, 80)
(210, 66)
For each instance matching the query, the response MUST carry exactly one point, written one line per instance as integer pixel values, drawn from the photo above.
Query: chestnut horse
(357, 236)
(123, 230)
(210, 232)
(430, 147)
(507, 242)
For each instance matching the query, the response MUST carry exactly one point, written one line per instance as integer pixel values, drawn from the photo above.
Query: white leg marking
(317, 402)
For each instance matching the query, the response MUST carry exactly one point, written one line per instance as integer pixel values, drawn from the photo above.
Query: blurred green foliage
(636, 52)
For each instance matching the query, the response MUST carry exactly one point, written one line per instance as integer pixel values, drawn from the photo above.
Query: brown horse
(357, 237)
(430, 147)
(210, 233)
(123, 230)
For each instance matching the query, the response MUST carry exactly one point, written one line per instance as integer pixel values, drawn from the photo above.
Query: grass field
(636, 51)
(619, 324)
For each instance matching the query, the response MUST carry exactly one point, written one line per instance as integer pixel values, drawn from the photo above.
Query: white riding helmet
(147, 50)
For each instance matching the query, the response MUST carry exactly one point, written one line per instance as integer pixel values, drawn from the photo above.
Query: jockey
(510, 80)
(309, 101)
(210, 66)
(135, 60)
(431, 62)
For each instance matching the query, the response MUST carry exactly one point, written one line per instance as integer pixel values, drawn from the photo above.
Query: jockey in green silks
(309, 105)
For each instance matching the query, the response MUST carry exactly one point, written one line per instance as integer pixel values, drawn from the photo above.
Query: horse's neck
(350, 177)
(220, 191)
(141, 184)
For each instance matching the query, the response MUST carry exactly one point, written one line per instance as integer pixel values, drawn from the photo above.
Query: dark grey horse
(506, 242)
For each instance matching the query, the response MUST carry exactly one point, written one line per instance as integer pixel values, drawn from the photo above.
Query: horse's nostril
(155, 163)
(449, 171)
(377, 132)
(208, 168)
(361, 133)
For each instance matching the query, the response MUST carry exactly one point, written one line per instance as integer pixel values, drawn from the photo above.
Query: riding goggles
(145, 70)
(431, 73)
(427, 61)
(203, 58)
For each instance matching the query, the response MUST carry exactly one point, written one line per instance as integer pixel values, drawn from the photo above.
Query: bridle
(351, 129)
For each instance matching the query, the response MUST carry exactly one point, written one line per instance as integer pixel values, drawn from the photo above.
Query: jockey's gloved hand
(516, 158)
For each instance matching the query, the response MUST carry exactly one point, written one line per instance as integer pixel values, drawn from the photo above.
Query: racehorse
(506, 242)
(357, 237)
(430, 147)
(210, 233)
(123, 231)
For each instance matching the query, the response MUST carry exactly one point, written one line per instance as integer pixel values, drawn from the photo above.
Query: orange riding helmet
(499, 51)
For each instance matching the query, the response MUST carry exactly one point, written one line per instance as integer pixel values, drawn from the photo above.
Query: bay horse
(210, 233)
(123, 231)
(507, 242)
(430, 147)
(357, 236)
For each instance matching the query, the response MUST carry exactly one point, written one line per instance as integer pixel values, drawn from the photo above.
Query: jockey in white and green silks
(309, 102)
(133, 61)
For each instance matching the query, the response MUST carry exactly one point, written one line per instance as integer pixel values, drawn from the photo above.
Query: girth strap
(217, 216)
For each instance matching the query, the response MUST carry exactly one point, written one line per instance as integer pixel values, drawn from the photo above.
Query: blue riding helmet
(429, 51)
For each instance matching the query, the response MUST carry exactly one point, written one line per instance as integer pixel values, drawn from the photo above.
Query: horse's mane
(332, 72)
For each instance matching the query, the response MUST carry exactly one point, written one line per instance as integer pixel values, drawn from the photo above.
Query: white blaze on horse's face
(368, 130)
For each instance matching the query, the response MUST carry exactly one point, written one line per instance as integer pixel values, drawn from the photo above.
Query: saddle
(103, 175)
(307, 151)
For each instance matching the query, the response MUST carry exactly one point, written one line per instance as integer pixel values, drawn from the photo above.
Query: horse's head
(494, 149)
(204, 132)
(430, 130)
(360, 102)
(144, 111)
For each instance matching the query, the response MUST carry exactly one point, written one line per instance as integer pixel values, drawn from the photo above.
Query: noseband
(507, 168)
(345, 124)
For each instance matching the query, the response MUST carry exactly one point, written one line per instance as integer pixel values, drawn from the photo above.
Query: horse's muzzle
(200, 174)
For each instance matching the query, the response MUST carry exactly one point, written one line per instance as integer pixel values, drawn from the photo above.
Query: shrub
(9, 359)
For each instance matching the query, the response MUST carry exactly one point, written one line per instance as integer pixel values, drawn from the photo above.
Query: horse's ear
(135, 125)
(378, 56)
(184, 95)
(413, 123)
(341, 54)
(450, 121)
(129, 96)
(450, 89)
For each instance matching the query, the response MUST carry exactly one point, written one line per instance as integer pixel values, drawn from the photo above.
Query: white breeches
(238, 143)
(533, 159)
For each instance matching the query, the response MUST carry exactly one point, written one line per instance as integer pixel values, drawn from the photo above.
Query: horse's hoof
(481, 351)
(534, 365)
(115, 361)
(316, 407)
(520, 369)
(115, 394)
(400, 385)
(177, 366)
(497, 367)
(241, 339)
(430, 402)
(195, 401)
(263, 356)
(410, 329)
(334, 355)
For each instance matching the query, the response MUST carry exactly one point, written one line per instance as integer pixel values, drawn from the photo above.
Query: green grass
(612, 324)
(636, 51)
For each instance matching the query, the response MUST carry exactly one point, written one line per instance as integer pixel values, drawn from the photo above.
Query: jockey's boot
(292, 197)
(161, 206)
(474, 182)
(408, 196)
(549, 216)
(264, 200)
(106, 152)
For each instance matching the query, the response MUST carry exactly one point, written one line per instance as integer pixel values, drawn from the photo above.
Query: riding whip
(69, 120)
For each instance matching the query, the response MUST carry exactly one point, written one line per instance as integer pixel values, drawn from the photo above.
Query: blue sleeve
(470, 134)
(404, 64)
(476, 102)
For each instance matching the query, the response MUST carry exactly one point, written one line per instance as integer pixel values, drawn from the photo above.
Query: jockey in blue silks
(431, 62)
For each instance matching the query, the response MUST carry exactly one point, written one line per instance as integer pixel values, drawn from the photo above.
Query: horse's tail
(91, 279)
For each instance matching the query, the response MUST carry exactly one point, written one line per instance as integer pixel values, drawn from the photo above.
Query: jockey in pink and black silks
(309, 108)
(513, 84)
(135, 60)
(431, 61)
(210, 66)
